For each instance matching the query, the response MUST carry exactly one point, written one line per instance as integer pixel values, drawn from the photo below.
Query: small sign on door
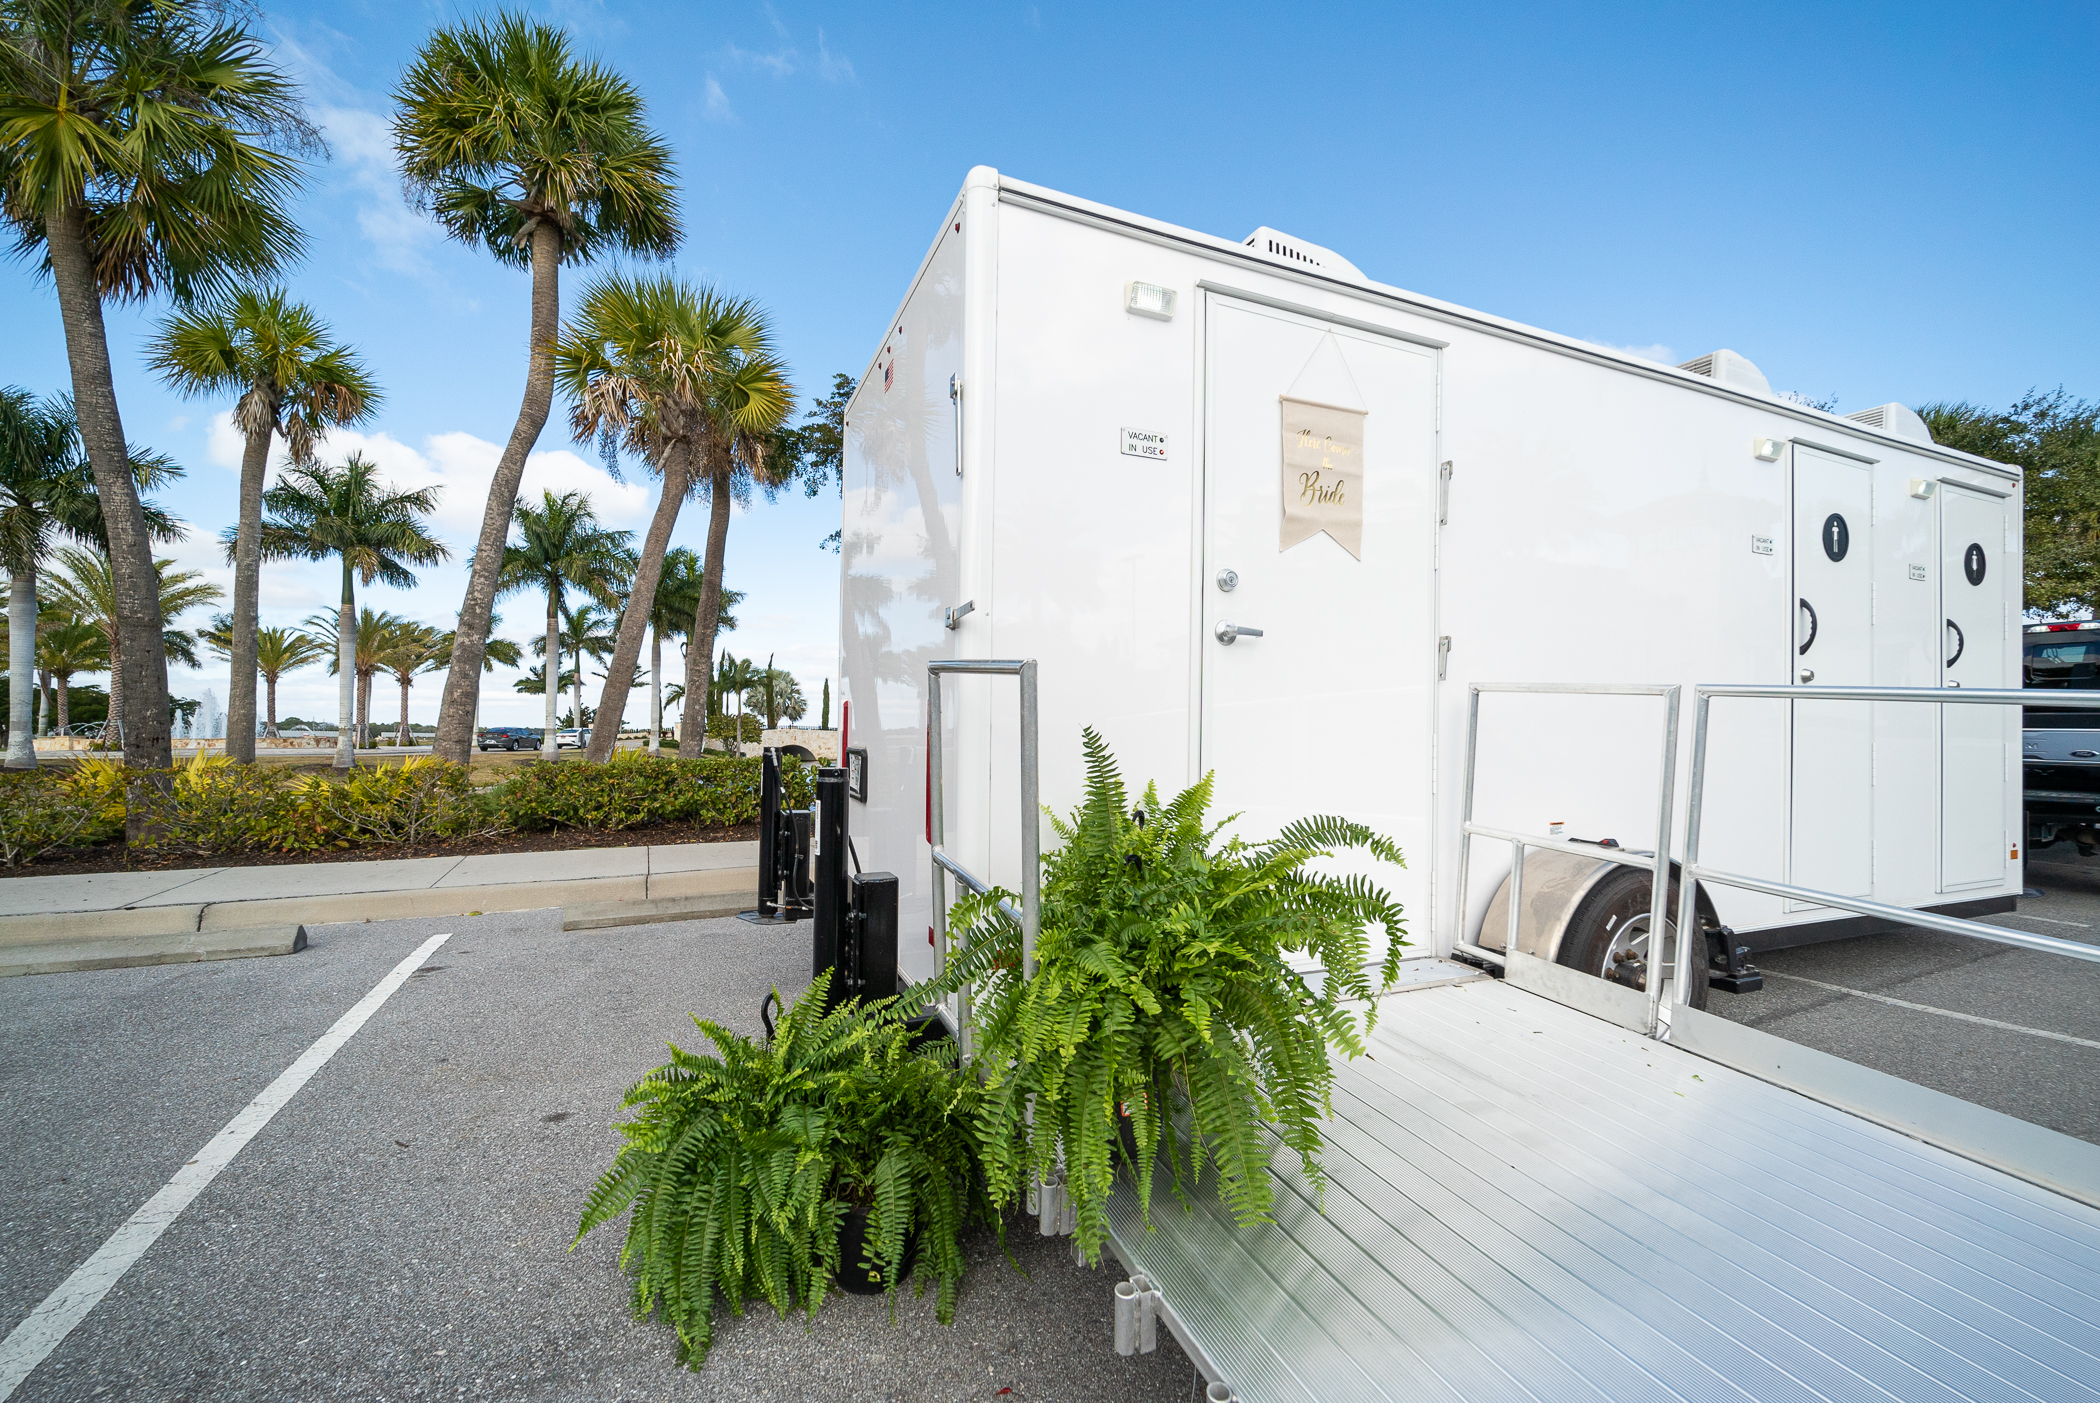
(1137, 443)
(1760, 545)
(1917, 572)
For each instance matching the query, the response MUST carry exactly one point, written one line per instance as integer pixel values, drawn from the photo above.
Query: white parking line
(2023, 916)
(1921, 1008)
(40, 1333)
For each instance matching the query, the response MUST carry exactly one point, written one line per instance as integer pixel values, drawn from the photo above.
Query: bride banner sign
(1323, 474)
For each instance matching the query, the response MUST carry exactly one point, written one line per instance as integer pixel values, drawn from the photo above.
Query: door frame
(2003, 502)
(1199, 602)
(1790, 907)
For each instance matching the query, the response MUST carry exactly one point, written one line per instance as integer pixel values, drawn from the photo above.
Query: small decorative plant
(744, 1163)
(1165, 994)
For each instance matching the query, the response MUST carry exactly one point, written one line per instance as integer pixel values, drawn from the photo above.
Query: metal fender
(1554, 885)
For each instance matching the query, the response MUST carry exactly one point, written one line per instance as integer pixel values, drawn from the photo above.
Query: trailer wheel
(1609, 931)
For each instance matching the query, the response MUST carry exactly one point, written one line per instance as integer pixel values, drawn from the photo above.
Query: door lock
(1228, 631)
(1228, 580)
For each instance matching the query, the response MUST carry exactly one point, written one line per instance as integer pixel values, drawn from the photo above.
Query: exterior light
(1149, 300)
(1767, 449)
(1923, 487)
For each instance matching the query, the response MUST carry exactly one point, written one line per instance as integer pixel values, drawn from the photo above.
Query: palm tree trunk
(700, 654)
(65, 688)
(656, 691)
(116, 695)
(271, 683)
(364, 709)
(401, 736)
(43, 703)
(641, 601)
(146, 731)
(550, 670)
(576, 688)
(21, 670)
(455, 736)
(247, 591)
(346, 674)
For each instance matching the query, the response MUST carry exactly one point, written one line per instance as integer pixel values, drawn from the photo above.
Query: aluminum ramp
(1524, 1201)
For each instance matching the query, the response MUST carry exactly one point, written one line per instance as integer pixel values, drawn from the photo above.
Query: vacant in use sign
(1139, 444)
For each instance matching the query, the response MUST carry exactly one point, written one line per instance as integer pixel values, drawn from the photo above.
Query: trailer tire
(1613, 918)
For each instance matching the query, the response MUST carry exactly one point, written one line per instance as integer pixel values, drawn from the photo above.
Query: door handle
(1960, 642)
(1227, 631)
(1811, 626)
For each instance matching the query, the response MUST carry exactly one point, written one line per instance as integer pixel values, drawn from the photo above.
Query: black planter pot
(853, 1240)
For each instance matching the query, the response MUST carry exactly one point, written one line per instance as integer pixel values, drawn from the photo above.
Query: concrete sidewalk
(128, 918)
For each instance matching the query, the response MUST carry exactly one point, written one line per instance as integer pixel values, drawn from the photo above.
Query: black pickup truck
(2060, 750)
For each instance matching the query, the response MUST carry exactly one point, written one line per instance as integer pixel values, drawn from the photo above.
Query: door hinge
(1443, 493)
(1443, 656)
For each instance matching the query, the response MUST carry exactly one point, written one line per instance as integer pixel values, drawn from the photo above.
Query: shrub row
(213, 806)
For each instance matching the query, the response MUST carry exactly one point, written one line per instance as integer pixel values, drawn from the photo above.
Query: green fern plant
(742, 1164)
(1165, 993)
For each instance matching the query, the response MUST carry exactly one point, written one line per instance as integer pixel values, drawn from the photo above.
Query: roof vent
(1895, 420)
(1274, 243)
(1730, 369)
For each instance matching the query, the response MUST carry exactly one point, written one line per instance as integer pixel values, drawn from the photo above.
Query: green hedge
(213, 806)
(634, 790)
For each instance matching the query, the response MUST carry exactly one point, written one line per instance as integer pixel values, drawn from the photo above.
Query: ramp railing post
(944, 864)
(1659, 893)
(1465, 821)
(1688, 892)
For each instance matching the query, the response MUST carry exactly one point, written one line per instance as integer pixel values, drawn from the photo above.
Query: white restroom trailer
(1250, 513)
(1082, 440)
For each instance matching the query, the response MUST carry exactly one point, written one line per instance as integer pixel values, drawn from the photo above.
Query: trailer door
(1831, 840)
(1976, 742)
(1328, 710)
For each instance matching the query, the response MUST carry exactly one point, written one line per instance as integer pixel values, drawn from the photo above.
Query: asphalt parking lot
(401, 1228)
(2015, 1030)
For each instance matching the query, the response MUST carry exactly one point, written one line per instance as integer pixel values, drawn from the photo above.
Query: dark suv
(509, 738)
(2061, 749)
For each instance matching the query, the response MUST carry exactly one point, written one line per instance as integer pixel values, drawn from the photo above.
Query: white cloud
(225, 444)
(1656, 351)
(836, 68)
(718, 108)
(780, 63)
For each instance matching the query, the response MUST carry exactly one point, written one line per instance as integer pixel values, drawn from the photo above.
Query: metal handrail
(1658, 862)
(1694, 873)
(1031, 836)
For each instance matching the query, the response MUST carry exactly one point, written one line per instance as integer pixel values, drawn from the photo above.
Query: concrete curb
(128, 951)
(227, 930)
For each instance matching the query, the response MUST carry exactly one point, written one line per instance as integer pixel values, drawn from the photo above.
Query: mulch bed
(112, 857)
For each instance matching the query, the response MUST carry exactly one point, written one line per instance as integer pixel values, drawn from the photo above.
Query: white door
(1975, 741)
(1329, 709)
(1831, 845)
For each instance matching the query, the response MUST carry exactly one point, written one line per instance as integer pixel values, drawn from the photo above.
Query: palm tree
(407, 648)
(515, 144)
(375, 531)
(495, 652)
(292, 379)
(677, 600)
(651, 365)
(146, 145)
(85, 588)
(47, 491)
(278, 651)
(740, 422)
(733, 677)
(65, 648)
(368, 649)
(561, 547)
(778, 695)
(585, 631)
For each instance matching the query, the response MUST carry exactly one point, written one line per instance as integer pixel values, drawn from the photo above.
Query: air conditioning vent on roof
(1274, 243)
(1897, 420)
(1730, 369)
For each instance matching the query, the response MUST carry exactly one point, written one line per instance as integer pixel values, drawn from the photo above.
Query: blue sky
(1870, 201)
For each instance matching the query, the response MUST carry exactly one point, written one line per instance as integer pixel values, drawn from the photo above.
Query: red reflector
(929, 935)
(2065, 628)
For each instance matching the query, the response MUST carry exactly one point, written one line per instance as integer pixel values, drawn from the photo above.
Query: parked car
(572, 739)
(509, 738)
(2060, 750)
